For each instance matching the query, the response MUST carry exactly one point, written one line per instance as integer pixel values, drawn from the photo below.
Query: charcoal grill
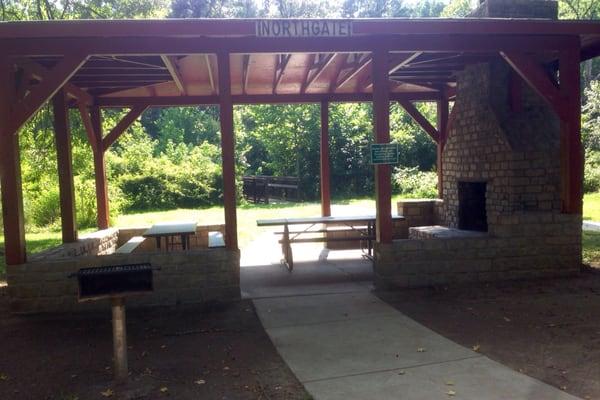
(116, 282)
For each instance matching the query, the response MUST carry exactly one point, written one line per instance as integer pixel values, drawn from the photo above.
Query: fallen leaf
(476, 347)
(73, 376)
(421, 350)
(563, 388)
(107, 393)
(451, 393)
(3, 377)
(200, 382)
(164, 346)
(225, 368)
(449, 383)
(164, 389)
(507, 319)
(401, 373)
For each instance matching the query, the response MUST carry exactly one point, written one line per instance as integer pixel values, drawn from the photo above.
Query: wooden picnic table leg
(286, 248)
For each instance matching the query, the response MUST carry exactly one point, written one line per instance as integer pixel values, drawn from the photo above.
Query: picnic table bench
(362, 227)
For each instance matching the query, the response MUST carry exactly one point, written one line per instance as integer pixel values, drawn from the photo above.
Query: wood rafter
(322, 67)
(246, 71)
(122, 126)
(309, 67)
(360, 67)
(538, 79)
(211, 78)
(280, 70)
(420, 119)
(32, 70)
(171, 64)
(39, 94)
(338, 70)
(86, 119)
(407, 58)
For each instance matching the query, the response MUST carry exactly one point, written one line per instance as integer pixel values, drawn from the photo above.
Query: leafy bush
(412, 183)
(591, 175)
(45, 208)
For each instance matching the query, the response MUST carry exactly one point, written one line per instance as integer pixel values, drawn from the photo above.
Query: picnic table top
(171, 228)
(320, 220)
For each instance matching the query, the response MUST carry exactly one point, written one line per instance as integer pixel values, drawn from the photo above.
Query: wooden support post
(325, 174)
(10, 171)
(571, 148)
(227, 150)
(381, 125)
(103, 213)
(62, 136)
(442, 128)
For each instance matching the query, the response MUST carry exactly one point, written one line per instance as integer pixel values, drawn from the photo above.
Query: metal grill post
(119, 338)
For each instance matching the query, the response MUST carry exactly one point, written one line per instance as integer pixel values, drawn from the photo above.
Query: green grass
(591, 206)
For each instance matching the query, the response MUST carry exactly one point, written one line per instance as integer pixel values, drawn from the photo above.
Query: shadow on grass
(591, 248)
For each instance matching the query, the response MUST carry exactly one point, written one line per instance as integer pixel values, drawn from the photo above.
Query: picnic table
(362, 226)
(171, 230)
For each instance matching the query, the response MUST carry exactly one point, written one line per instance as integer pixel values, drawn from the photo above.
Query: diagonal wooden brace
(420, 119)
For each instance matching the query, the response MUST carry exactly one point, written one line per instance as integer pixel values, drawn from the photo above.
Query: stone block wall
(196, 276)
(539, 245)
(419, 212)
(91, 244)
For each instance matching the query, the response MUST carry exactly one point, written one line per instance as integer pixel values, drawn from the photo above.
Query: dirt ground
(183, 353)
(547, 329)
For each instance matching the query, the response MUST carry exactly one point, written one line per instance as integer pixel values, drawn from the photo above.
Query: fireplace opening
(472, 214)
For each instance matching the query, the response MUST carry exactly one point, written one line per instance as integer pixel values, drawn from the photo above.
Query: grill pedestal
(119, 338)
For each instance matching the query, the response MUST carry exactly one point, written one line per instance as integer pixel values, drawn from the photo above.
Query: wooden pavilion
(137, 64)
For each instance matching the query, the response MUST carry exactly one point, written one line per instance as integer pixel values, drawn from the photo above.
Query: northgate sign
(303, 28)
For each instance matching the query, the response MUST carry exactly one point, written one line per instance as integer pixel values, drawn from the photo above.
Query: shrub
(45, 208)
(412, 183)
(591, 180)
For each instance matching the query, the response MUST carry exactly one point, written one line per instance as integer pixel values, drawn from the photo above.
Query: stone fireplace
(500, 217)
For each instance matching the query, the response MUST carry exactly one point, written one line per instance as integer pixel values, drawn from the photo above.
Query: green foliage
(457, 9)
(591, 174)
(412, 183)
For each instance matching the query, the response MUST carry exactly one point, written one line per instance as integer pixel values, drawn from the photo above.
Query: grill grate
(114, 280)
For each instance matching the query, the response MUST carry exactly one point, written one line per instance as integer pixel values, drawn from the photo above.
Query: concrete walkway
(591, 226)
(342, 342)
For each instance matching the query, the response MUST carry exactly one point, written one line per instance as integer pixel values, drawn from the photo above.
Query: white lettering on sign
(303, 28)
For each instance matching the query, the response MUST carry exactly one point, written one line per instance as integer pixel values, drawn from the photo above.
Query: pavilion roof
(174, 61)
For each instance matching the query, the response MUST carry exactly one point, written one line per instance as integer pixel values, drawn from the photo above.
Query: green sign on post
(384, 153)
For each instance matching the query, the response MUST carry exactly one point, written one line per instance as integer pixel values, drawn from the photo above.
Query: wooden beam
(420, 119)
(572, 158)
(401, 63)
(88, 125)
(41, 93)
(309, 67)
(281, 68)
(10, 173)
(381, 125)
(336, 74)
(360, 68)
(62, 135)
(442, 43)
(322, 67)
(324, 162)
(538, 79)
(171, 64)
(174, 101)
(246, 71)
(227, 150)
(102, 204)
(211, 78)
(442, 128)
(122, 126)
(39, 72)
